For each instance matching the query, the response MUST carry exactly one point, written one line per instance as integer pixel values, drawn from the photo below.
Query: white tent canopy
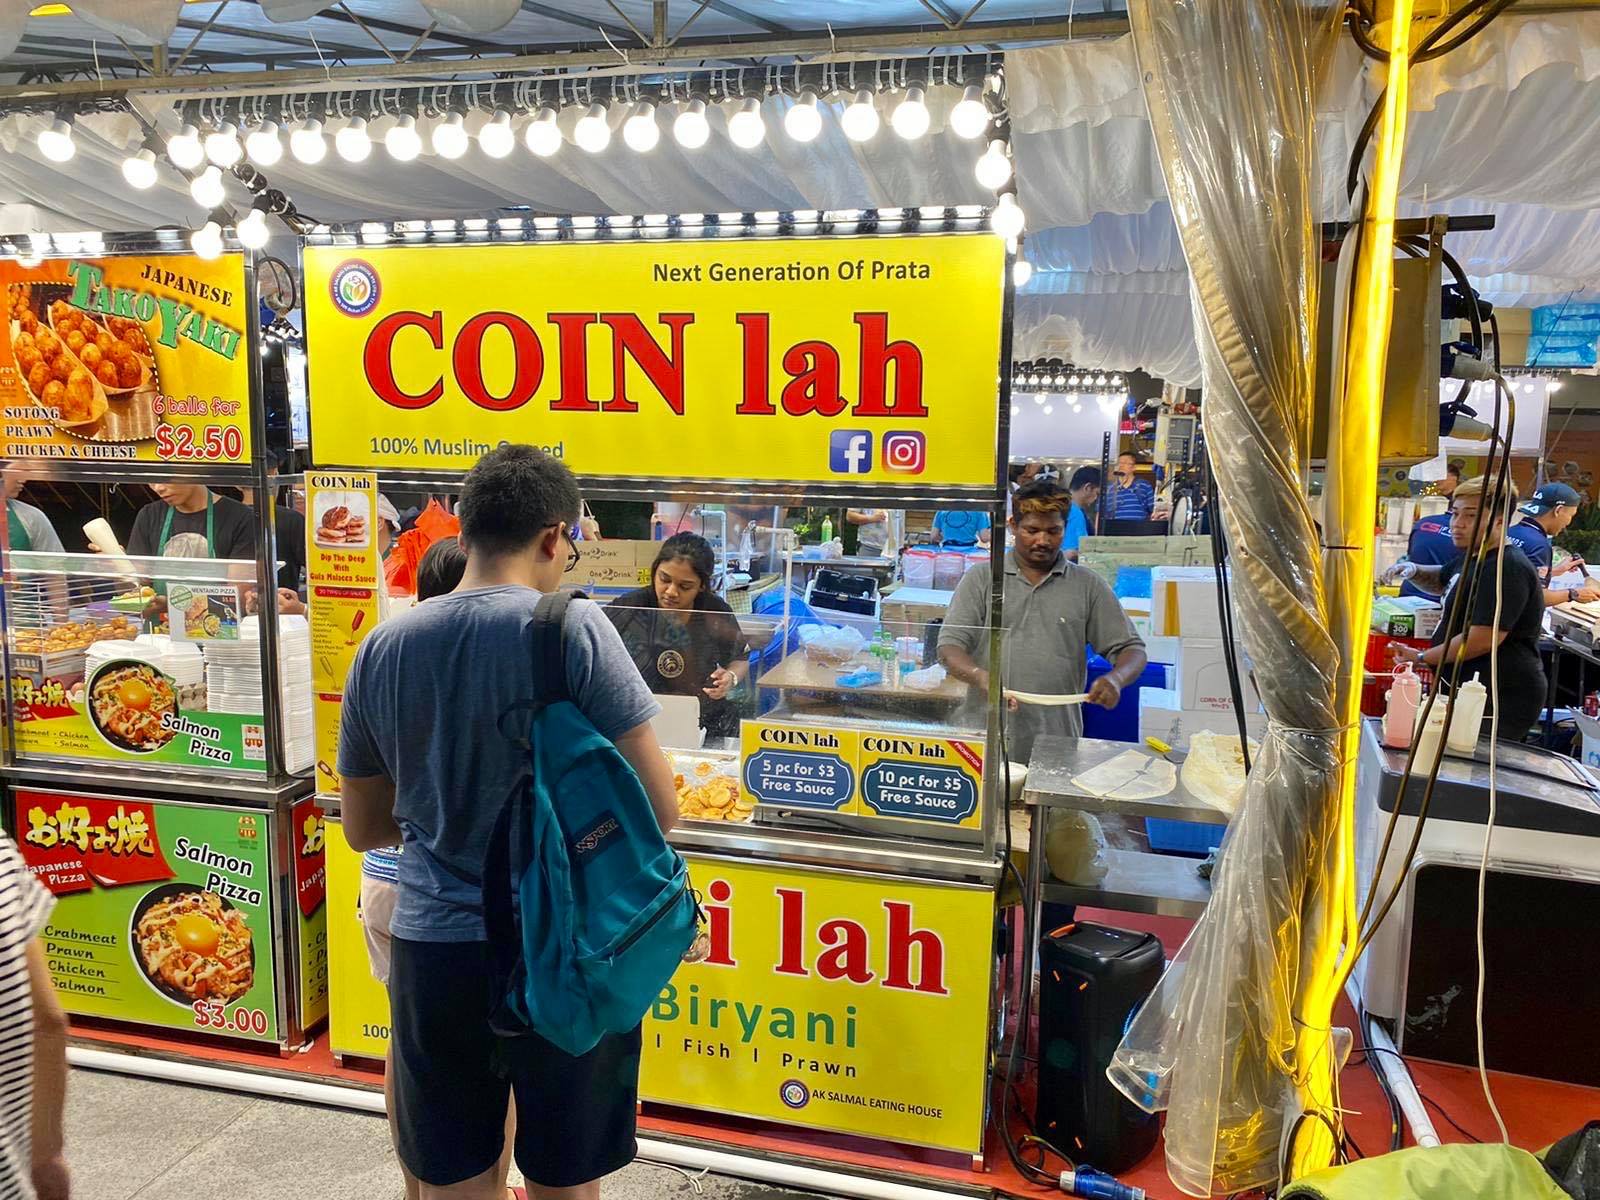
(1505, 125)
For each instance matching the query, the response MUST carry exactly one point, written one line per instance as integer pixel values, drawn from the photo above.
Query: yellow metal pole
(1353, 478)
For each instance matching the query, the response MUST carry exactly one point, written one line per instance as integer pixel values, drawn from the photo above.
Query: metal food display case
(844, 825)
(156, 767)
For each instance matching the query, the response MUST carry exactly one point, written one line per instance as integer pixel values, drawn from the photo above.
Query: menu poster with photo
(163, 911)
(343, 574)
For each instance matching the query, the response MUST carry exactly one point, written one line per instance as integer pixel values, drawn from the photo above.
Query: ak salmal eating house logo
(355, 288)
(794, 1093)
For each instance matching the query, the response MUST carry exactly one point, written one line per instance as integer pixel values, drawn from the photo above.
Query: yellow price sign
(807, 767)
(843, 360)
(922, 779)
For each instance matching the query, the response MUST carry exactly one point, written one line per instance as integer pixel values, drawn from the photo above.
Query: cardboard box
(614, 563)
(1162, 718)
(1201, 671)
(1406, 616)
(1183, 602)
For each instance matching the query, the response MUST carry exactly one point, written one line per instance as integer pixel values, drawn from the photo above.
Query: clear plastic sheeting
(1230, 86)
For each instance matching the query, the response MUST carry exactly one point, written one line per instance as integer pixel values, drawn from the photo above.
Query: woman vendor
(1504, 581)
(682, 636)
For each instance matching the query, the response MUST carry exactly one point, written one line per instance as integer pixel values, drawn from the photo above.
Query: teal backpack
(588, 910)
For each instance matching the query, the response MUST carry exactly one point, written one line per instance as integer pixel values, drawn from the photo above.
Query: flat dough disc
(1132, 775)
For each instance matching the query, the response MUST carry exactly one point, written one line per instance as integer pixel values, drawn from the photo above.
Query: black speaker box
(1092, 979)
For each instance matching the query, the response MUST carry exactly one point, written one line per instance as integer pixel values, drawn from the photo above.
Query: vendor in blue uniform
(959, 527)
(1543, 516)
(682, 636)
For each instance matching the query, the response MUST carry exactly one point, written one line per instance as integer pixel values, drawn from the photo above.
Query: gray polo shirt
(1048, 624)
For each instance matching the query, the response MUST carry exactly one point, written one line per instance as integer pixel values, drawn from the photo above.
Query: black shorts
(453, 1074)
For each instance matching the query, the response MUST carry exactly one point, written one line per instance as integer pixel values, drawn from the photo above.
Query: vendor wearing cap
(1543, 516)
(220, 528)
(1497, 581)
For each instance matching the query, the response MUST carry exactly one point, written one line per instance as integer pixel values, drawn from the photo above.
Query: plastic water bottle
(1466, 716)
(1400, 718)
(827, 529)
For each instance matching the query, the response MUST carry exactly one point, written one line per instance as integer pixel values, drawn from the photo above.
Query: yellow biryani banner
(343, 574)
(848, 360)
(834, 1001)
(133, 358)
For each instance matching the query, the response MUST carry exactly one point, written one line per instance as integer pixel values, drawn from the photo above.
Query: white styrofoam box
(1183, 602)
(1202, 674)
(1161, 717)
(1162, 650)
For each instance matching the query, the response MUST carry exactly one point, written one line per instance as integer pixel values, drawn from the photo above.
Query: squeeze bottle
(827, 530)
(1466, 716)
(1400, 718)
(1430, 738)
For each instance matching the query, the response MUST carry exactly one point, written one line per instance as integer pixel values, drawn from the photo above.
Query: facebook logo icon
(850, 452)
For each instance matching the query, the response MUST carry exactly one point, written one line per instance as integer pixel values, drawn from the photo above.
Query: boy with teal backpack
(581, 796)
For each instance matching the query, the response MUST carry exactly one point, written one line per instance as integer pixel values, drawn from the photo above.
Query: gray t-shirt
(422, 706)
(41, 533)
(1047, 625)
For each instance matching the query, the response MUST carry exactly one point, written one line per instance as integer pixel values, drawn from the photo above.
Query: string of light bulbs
(221, 135)
(1052, 381)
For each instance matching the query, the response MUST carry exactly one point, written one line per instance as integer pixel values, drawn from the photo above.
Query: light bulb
(543, 136)
(353, 142)
(263, 145)
(140, 170)
(253, 231)
(994, 167)
(449, 137)
(1061, 381)
(970, 117)
(746, 129)
(910, 116)
(690, 126)
(185, 150)
(1076, 381)
(640, 130)
(593, 131)
(222, 145)
(207, 240)
(803, 121)
(1039, 399)
(55, 141)
(860, 120)
(207, 189)
(496, 138)
(1021, 272)
(403, 142)
(1007, 219)
(1100, 382)
(307, 143)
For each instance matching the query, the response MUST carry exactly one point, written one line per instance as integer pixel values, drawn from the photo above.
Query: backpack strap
(549, 667)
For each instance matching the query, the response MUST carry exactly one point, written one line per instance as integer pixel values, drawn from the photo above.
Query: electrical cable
(1230, 653)
(1494, 799)
(1368, 1051)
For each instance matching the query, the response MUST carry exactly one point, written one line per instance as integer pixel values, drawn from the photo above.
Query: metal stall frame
(880, 856)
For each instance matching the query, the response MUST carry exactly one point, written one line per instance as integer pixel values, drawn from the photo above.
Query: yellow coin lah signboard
(129, 358)
(835, 1001)
(842, 360)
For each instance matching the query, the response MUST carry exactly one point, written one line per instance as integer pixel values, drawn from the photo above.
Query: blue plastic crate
(1183, 837)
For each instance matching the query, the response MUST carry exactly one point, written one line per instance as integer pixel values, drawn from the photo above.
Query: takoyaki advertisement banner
(129, 711)
(163, 914)
(133, 358)
(850, 1003)
(835, 360)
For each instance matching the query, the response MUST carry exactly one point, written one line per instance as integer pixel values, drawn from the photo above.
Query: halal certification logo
(354, 288)
(794, 1093)
(670, 664)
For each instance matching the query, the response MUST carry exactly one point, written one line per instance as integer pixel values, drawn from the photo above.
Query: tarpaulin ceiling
(1505, 125)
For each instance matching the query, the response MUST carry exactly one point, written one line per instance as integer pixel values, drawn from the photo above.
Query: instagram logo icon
(905, 452)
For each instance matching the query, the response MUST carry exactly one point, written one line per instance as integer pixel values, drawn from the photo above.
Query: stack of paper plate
(234, 682)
